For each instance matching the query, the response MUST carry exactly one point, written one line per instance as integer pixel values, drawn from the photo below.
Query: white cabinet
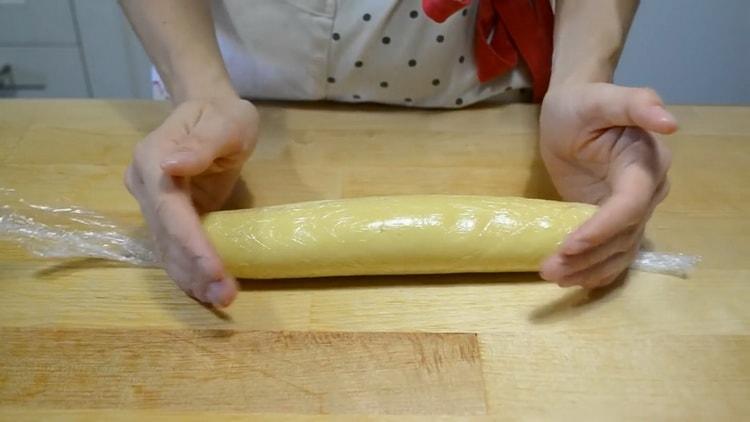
(33, 22)
(43, 72)
(69, 48)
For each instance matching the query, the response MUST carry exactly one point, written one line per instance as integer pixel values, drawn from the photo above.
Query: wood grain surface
(308, 372)
(85, 339)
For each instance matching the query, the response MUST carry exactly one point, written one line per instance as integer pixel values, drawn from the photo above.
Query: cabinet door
(116, 63)
(34, 22)
(43, 72)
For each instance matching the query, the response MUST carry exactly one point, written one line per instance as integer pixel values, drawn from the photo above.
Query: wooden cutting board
(85, 339)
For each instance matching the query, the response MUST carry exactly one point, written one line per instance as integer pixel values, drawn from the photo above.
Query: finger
(607, 280)
(559, 266)
(562, 264)
(629, 204)
(658, 197)
(206, 140)
(654, 118)
(189, 250)
(623, 106)
(222, 293)
(189, 257)
(131, 181)
(599, 273)
(190, 156)
(616, 271)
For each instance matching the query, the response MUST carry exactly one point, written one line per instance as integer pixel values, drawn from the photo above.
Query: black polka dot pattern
(379, 89)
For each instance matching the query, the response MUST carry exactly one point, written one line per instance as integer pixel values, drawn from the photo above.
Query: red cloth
(505, 30)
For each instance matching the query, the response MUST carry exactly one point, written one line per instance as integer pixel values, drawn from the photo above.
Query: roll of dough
(420, 234)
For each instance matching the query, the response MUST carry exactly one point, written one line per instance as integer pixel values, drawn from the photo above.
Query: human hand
(186, 167)
(599, 145)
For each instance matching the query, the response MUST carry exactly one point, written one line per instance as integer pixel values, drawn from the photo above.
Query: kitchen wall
(691, 51)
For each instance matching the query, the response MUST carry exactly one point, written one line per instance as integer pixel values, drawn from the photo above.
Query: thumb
(614, 105)
(191, 156)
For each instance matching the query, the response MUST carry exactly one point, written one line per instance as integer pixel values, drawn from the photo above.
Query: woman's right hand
(186, 167)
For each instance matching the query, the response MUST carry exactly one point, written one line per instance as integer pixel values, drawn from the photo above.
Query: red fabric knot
(440, 10)
(506, 30)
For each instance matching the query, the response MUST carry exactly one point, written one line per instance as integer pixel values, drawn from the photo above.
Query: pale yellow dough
(421, 234)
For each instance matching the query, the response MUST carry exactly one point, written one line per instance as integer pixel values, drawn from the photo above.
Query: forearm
(179, 37)
(589, 35)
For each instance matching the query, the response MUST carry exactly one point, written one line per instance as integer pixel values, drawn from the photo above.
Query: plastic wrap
(676, 264)
(408, 234)
(71, 232)
(387, 235)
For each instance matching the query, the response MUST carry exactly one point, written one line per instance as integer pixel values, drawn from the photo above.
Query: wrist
(587, 71)
(203, 89)
(190, 81)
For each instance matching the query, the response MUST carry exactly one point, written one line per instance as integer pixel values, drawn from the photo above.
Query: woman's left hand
(599, 145)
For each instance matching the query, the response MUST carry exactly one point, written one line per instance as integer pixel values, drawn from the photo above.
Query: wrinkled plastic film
(73, 232)
(676, 264)
(70, 232)
(393, 235)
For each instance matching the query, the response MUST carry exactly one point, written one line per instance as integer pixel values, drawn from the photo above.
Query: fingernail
(664, 115)
(544, 274)
(551, 267)
(215, 293)
(169, 162)
(176, 158)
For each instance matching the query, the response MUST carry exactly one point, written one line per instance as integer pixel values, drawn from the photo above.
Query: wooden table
(87, 339)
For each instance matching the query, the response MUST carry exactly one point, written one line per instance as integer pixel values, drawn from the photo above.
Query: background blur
(691, 51)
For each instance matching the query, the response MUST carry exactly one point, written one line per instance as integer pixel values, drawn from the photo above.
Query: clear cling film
(409, 234)
(71, 232)
(413, 234)
(676, 264)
